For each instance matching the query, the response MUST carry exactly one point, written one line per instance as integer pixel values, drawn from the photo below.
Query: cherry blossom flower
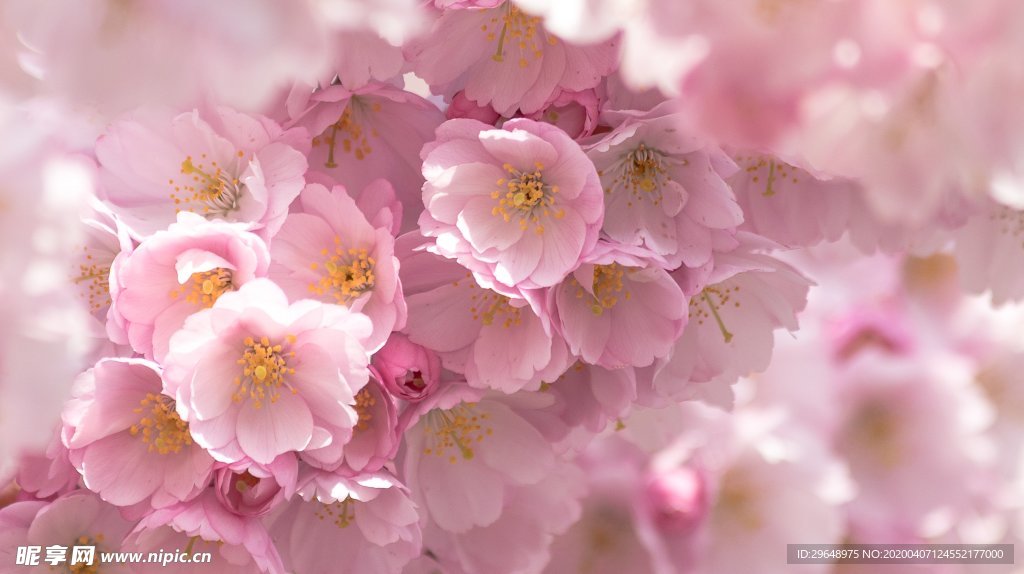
(466, 452)
(177, 272)
(364, 134)
(504, 57)
(408, 371)
(499, 342)
(664, 190)
(221, 164)
(78, 518)
(788, 204)
(362, 524)
(126, 438)
(206, 520)
(985, 249)
(331, 252)
(257, 378)
(733, 315)
(521, 204)
(619, 309)
(576, 113)
(591, 396)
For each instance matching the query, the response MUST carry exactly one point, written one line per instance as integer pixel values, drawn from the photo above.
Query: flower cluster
(496, 286)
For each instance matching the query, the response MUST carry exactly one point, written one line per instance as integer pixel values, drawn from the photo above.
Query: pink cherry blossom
(177, 272)
(362, 524)
(78, 518)
(609, 536)
(619, 309)
(463, 107)
(894, 406)
(127, 440)
(496, 341)
(504, 57)
(257, 378)
(664, 189)
(221, 164)
(206, 520)
(733, 315)
(986, 248)
(330, 252)
(591, 396)
(47, 474)
(255, 490)
(519, 540)
(227, 558)
(574, 112)
(466, 451)
(364, 134)
(408, 371)
(519, 205)
(789, 205)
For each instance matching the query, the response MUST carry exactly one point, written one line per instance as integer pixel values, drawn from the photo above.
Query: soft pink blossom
(255, 490)
(206, 520)
(467, 451)
(257, 378)
(127, 440)
(664, 189)
(496, 341)
(349, 525)
(221, 164)
(733, 315)
(519, 206)
(909, 427)
(364, 134)
(987, 249)
(619, 308)
(576, 113)
(788, 204)
(49, 473)
(408, 371)
(176, 272)
(504, 57)
(519, 540)
(78, 518)
(329, 251)
(592, 396)
(609, 536)
(463, 107)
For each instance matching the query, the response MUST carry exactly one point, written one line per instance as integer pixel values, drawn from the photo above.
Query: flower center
(86, 561)
(607, 287)
(160, 426)
(365, 401)
(486, 306)
(459, 428)
(348, 273)
(708, 303)
(206, 287)
(737, 499)
(349, 133)
(525, 196)
(642, 173)
(773, 172)
(97, 280)
(207, 190)
(341, 513)
(875, 428)
(263, 371)
(518, 30)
